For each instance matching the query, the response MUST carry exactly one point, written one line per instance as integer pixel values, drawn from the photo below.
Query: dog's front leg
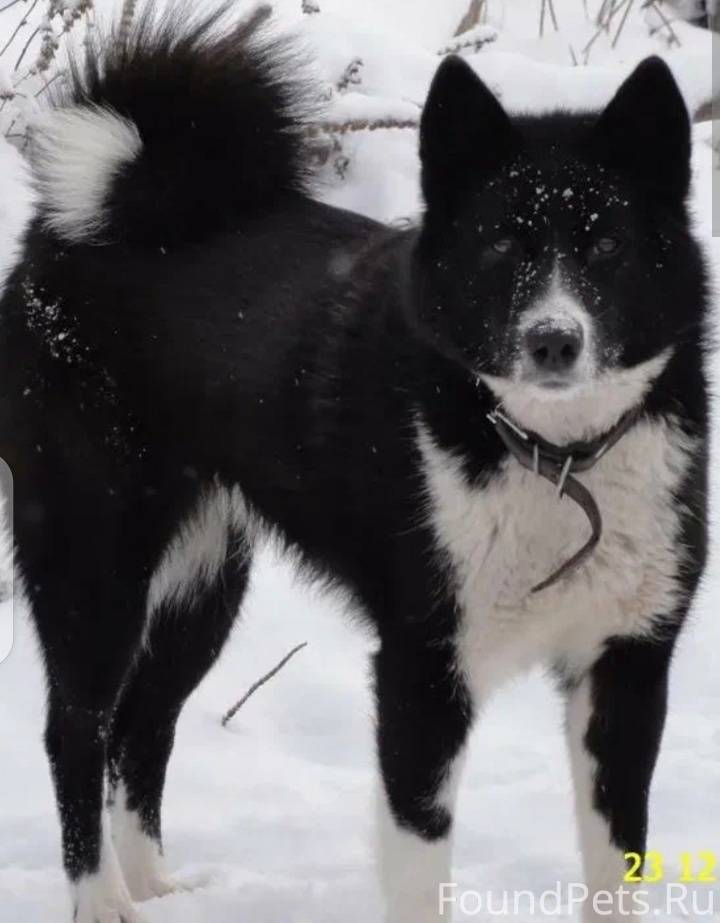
(424, 714)
(615, 720)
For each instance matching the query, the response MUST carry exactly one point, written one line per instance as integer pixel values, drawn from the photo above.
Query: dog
(490, 429)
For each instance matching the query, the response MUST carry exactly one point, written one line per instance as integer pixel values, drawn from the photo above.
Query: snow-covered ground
(271, 818)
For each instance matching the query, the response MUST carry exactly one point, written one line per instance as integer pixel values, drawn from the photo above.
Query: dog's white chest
(509, 535)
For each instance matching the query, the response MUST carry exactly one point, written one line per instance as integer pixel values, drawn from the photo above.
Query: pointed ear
(645, 131)
(464, 132)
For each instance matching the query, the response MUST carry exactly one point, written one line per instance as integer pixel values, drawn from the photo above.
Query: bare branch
(11, 4)
(342, 128)
(666, 23)
(262, 682)
(628, 7)
(545, 7)
(484, 37)
(471, 17)
(23, 22)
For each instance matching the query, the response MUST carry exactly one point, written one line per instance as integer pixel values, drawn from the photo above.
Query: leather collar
(559, 464)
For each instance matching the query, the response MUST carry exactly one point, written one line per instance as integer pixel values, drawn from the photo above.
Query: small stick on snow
(471, 17)
(262, 682)
(342, 128)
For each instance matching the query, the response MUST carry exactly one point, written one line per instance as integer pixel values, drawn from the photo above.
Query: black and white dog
(491, 430)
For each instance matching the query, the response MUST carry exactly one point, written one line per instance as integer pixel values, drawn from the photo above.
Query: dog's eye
(503, 246)
(605, 247)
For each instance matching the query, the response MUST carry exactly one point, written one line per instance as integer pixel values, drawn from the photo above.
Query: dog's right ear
(464, 133)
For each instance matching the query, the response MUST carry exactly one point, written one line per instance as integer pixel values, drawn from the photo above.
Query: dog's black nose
(554, 349)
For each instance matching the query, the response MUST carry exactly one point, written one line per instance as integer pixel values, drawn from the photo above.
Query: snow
(271, 818)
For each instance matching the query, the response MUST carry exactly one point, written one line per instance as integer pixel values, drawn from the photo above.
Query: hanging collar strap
(559, 464)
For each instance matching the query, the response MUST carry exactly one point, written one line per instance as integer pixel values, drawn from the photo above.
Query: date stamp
(651, 868)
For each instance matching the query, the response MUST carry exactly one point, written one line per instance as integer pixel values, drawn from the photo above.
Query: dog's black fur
(222, 328)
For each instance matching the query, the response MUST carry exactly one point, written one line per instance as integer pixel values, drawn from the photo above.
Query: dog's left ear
(464, 134)
(645, 130)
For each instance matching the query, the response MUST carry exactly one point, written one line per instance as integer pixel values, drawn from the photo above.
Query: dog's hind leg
(87, 602)
(189, 627)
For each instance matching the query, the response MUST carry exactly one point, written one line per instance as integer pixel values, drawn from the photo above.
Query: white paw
(150, 884)
(103, 898)
(141, 860)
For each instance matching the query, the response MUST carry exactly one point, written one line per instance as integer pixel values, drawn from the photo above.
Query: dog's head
(555, 256)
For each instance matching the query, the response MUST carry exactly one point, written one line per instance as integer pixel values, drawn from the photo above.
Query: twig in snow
(484, 37)
(471, 17)
(342, 128)
(262, 682)
(310, 6)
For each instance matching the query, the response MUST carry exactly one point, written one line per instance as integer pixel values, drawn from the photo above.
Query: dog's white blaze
(104, 897)
(77, 153)
(511, 533)
(201, 546)
(140, 857)
(603, 862)
(412, 869)
(559, 308)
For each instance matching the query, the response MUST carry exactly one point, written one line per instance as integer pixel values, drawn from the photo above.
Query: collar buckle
(558, 465)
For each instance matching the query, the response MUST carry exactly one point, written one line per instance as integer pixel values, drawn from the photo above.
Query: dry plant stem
(262, 682)
(471, 17)
(545, 7)
(50, 82)
(11, 4)
(475, 44)
(553, 15)
(342, 128)
(613, 7)
(26, 46)
(23, 22)
(667, 24)
(629, 4)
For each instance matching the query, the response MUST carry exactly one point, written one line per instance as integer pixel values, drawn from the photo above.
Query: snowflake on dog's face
(555, 236)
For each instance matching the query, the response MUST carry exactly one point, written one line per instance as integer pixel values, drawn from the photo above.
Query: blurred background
(270, 818)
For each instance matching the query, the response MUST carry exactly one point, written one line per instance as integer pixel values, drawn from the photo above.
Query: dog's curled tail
(172, 129)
